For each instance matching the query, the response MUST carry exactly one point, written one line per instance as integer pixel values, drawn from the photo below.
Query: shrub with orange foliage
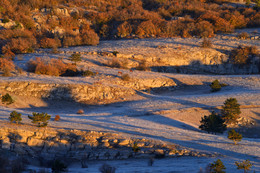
(70, 40)
(6, 66)
(53, 67)
(57, 118)
(116, 18)
(147, 29)
(204, 29)
(80, 111)
(243, 54)
(17, 41)
(89, 38)
(124, 30)
(255, 20)
(49, 43)
(236, 19)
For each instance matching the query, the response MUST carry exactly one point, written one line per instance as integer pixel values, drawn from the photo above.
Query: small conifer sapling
(15, 117)
(234, 136)
(215, 86)
(245, 165)
(217, 167)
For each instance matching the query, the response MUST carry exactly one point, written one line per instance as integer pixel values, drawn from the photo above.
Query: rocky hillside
(27, 25)
(48, 144)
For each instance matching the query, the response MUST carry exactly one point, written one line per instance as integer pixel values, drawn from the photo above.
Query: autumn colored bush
(80, 111)
(6, 66)
(70, 40)
(242, 54)
(57, 118)
(52, 67)
(49, 43)
(89, 38)
(115, 19)
(204, 29)
(236, 19)
(147, 29)
(124, 29)
(17, 41)
(254, 20)
(243, 35)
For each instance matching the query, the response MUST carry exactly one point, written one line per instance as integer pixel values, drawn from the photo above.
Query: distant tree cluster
(219, 167)
(217, 123)
(40, 119)
(115, 19)
(213, 123)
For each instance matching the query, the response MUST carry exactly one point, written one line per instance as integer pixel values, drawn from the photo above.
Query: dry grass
(125, 77)
(143, 66)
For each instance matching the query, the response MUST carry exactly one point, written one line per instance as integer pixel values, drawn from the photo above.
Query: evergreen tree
(235, 136)
(212, 123)
(231, 110)
(15, 117)
(135, 147)
(217, 167)
(41, 119)
(7, 99)
(75, 57)
(245, 165)
(215, 86)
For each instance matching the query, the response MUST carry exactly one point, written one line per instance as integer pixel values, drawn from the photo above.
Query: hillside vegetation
(26, 25)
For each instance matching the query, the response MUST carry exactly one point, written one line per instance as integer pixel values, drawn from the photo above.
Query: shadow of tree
(196, 67)
(251, 131)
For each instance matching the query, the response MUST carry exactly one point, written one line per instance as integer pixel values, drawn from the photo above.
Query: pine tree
(235, 136)
(135, 147)
(15, 117)
(41, 119)
(245, 165)
(7, 99)
(75, 57)
(212, 123)
(217, 167)
(215, 86)
(231, 110)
